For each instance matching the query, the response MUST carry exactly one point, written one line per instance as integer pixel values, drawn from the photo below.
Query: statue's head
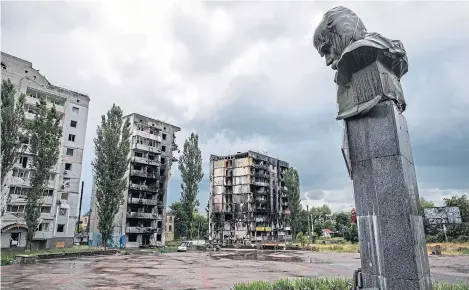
(339, 27)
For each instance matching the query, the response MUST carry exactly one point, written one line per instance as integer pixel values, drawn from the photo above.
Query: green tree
(342, 221)
(112, 148)
(180, 221)
(462, 202)
(292, 182)
(426, 203)
(200, 229)
(12, 120)
(190, 166)
(352, 234)
(318, 228)
(46, 133)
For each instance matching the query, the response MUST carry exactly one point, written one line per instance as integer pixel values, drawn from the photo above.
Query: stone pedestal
(392, 239)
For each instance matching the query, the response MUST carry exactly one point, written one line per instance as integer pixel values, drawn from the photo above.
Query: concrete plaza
(195, 270)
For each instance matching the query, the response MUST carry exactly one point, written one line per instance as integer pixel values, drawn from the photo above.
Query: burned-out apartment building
(248, 199)
(141, 218)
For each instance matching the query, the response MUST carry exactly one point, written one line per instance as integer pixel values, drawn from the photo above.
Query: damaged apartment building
(141, 218)
(248, 200)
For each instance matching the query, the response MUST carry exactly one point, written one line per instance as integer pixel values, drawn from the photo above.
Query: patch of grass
(8, 257)
(338, 248)
(323, 284)
(450, 248)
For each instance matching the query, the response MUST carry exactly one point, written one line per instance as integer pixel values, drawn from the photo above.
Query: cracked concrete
(195, 270)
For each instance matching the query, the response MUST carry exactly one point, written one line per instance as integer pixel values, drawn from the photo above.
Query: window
(44, 227)
(69, 152)
(45, 209)
(163, 148)
(75, 110)
(132, 237)
(48, 192)
(15, 208)
(68, 166)
(164, 136)
(60, 228)
(23, 161)
(62, 211)
(52, 177)
(170, 228)
(71, 137)
(170, 219)
(66, 182)
(73, 124)
(64, 196)
(138, 154)
(163, 160)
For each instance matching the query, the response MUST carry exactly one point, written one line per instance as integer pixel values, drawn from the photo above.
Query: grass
(8, 257)
(450, 248)
(323, 284)
(455, 249)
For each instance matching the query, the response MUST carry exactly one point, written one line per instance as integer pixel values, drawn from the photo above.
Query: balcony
(143, 230)
(147, 135)
(261, 166)
(146, 201)
(143, 160)
(259, 183)
(143, 187)
(262, 175)
(144, 215)
(143, 147)
(140, 173)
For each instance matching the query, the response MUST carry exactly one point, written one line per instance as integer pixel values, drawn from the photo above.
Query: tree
(190, 165)
(352, 234)
(180, 221)
(462, 202)
(46, 133)
(292, 182)
(426, 203)
(12, 120)
(200, 228)
(112, 149)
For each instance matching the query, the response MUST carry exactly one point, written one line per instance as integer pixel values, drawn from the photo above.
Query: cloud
(244, 75)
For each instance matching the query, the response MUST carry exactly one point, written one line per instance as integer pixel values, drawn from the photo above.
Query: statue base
(391, 234)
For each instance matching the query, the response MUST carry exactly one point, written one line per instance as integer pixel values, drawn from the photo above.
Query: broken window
(68, 166)
(44, 227)
(23, 161)
(163, 148)
(64, 196)
(69, 151)
(62, 211)
(75, 110)
(60, 228)
(138, 154)
(71, 137)
(45, 209)
(132, 237)
(73, 124)
(164, 135)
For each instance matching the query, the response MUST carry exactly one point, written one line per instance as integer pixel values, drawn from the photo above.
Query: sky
(245, 76)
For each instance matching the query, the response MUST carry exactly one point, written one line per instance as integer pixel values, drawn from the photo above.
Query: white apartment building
(141, 218)
(61, 201)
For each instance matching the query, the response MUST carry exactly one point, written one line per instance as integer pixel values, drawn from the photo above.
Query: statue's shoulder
(373, 47)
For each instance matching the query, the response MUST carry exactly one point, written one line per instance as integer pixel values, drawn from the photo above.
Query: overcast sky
(245, 76)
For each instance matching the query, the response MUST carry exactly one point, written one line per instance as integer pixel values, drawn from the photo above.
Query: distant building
(248, 200)
(169, 227)
(140, 220)
(59, 211)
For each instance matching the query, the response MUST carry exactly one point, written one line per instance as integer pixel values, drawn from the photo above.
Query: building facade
(60, 203)
(169, 227)
(248, 201)
(141, 219)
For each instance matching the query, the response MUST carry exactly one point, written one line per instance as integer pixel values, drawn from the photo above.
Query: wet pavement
(197, 270)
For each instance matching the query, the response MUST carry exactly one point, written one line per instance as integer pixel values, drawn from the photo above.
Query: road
(194, 270)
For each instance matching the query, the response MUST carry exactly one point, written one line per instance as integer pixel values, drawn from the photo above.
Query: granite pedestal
(391, 234)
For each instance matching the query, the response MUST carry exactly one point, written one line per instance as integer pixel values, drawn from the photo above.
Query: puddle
(256, 255)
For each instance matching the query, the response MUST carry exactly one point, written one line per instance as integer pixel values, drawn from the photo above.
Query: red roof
(328, 231)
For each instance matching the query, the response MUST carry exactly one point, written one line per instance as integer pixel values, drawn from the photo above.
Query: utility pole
(309, 228)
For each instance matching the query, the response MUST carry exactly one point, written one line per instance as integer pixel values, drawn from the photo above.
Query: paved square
(194, 270)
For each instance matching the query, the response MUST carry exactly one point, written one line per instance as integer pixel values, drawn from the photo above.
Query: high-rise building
(60, 203)
(141, 218)
(248, 200)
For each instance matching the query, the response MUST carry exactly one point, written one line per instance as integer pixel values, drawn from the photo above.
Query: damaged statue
(342, 39)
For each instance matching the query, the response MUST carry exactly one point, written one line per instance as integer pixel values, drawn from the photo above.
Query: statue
(342, 39)
(377, 152)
